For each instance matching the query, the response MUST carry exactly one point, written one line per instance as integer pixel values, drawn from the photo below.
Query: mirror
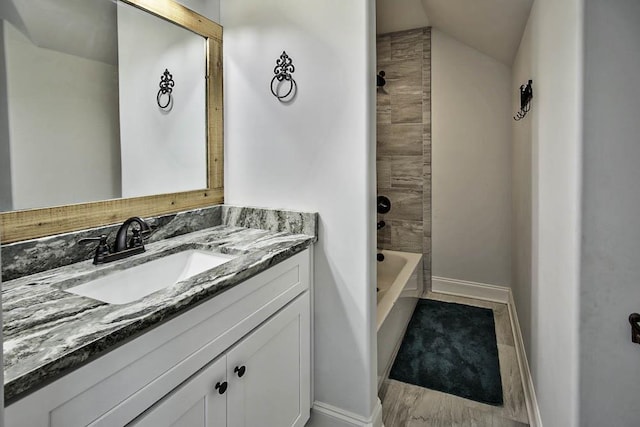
(113, 107)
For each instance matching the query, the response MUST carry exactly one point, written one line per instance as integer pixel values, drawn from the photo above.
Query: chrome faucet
(121, 248)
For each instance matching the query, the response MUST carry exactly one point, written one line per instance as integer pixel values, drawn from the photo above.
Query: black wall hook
(526, 95)
(634, 319)
(283, 69)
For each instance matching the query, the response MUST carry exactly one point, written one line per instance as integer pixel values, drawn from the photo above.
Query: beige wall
(471, 164)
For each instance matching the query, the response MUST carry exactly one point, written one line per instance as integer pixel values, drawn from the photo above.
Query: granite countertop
(49, 332)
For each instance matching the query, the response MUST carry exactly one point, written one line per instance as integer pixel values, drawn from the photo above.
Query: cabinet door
(269, 371)
(200, 402)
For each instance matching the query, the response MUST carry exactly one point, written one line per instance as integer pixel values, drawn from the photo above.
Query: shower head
(380, 81)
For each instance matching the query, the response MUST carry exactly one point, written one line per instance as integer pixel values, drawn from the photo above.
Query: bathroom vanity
(230, 346)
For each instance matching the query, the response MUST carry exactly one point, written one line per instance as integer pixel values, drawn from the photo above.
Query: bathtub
(399, 287)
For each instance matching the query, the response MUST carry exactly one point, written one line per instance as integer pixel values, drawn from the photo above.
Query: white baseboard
(476, 290)
(533, 409)
(501, 294)
(325, 415)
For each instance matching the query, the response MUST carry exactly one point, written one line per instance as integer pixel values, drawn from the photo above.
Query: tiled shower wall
(404, 142)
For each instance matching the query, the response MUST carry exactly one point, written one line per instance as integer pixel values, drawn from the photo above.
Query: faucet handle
(136, 239)
(146, 233)
(102, 250)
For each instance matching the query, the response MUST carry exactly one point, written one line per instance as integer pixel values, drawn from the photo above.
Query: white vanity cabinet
(259, 382)
(252, 343)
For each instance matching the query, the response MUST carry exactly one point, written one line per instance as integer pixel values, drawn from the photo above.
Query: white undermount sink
(131, 284)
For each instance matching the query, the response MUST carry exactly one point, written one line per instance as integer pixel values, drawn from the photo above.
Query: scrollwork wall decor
(283, 69)
(166, 88)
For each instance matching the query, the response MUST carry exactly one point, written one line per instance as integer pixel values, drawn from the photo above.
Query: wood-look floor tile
(514, 406)
(504, 334)
(409, 405)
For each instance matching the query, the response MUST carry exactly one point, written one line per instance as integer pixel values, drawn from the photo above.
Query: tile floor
(406, 405)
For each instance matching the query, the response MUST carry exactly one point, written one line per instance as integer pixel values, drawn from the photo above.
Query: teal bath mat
(451, 348)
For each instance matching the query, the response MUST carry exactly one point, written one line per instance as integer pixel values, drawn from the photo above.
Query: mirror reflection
(85, 118)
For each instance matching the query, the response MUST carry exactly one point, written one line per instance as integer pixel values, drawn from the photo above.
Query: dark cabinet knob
(221, 387)
(240, 370)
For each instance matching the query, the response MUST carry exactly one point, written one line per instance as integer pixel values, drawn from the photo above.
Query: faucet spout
(121, 235)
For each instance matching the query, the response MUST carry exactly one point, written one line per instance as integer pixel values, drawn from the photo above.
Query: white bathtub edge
(392, 295)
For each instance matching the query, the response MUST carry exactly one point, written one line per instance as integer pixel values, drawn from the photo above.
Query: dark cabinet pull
(240, 370)
(221, 387)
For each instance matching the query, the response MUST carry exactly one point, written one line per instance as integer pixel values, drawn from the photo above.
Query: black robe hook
(526, 95)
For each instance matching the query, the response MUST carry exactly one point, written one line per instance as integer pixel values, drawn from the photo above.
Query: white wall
(610, 280)
(314, 154)
(208, 8)
(6, 199)
(162, 151)
(552, 56)
(522, 189)
(63, 127)
(471, 167)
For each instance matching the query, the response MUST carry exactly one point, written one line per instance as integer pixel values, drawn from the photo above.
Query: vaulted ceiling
(493, 27)
(78, 27)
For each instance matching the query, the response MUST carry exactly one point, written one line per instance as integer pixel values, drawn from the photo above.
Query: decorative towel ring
(283, 69)
(166, 87)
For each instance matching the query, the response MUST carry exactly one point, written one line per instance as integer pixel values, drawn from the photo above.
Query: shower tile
(405, 205)
(404, 76)
(426, 151)
(406, 108)
(384, 238)
(426, 120)
(406, 44)
(407, 172)
(399, 139)
(383, 139)
(426, 217)
(406, 236)
(383, 107)
(383, 172)
(404, 142)
(383, 48)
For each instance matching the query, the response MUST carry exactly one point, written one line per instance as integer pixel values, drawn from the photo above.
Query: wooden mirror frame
(33, 223)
